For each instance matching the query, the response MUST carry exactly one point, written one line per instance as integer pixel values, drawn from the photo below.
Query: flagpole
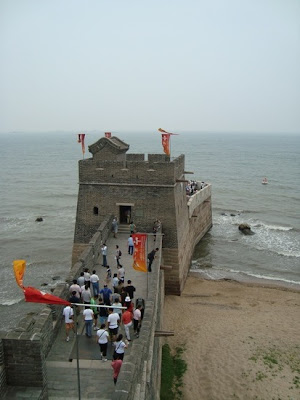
(147, 264)
(77, 356)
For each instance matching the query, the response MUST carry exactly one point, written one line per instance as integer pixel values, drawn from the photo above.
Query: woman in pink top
(116, 365)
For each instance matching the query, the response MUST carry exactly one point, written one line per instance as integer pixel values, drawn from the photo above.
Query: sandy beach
(241, 341)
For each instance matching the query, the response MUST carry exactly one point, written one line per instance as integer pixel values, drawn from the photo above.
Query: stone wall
(140, 376)
(2, 371)
(190, 229)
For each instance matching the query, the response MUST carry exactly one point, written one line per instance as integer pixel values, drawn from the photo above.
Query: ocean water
(39, 177)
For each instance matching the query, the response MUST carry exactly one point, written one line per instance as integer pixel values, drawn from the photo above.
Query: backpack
(120, 253)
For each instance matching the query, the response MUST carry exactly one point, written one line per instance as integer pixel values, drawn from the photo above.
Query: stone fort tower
(114, 183)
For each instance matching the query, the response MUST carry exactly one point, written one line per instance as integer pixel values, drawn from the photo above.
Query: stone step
(63, 382)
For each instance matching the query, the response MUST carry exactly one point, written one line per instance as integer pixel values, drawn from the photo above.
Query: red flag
(165, 140)
(107, 134)
(81, 137)
(37, 296)
(19, 269)
(139, 256)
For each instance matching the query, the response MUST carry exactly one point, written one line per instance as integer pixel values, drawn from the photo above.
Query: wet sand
(241, 341)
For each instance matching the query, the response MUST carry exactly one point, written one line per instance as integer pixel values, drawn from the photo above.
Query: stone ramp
(96, 381)
(96, 377)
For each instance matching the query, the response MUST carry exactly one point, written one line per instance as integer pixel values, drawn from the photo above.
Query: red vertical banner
(81, 137)
(165, 141)
(107, 134)
(139, 255)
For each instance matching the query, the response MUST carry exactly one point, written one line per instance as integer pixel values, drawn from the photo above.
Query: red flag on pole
(33, 295)
(165, 141)
(81, 137)
(139, 255)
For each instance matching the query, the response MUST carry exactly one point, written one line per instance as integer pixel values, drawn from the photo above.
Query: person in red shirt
(116, 366)
(128, 304)
(127, 322)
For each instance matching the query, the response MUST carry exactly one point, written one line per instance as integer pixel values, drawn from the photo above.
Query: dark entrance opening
(125, 214)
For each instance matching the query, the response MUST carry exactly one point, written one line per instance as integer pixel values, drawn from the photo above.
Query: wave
(10, 302)
(227, 212)
(234, 220)
(272, 227)
(217, 274)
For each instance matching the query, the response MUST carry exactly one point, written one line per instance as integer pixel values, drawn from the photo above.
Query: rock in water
(245, 229)
(39, 219)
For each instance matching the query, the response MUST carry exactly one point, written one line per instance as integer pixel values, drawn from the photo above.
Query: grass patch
(172, 371)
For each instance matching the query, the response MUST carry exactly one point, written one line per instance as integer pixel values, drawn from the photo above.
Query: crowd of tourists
(119, 310)
(193, 186)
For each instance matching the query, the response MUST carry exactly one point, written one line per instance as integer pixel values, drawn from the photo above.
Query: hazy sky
(108, 65)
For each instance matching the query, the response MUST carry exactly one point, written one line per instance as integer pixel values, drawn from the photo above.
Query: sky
(180, 65)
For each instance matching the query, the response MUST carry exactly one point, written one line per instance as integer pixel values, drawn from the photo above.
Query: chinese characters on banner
(139, 255)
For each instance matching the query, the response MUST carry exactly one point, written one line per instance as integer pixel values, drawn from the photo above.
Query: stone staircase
(124, 228)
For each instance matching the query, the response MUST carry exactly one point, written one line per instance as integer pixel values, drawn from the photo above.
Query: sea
(39, 178)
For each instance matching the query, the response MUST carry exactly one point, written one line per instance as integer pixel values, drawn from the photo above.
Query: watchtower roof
(112, 144)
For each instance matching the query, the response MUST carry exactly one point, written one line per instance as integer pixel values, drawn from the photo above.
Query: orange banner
(19, 269)
(165, 140)
(139, 255)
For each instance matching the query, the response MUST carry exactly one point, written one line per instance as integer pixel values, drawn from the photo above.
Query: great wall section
(112, 183)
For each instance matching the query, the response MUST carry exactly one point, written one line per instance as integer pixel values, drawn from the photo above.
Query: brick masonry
(152, 188)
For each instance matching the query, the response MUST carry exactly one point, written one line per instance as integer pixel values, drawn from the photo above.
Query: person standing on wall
(132, 227)
(137, 318)
(118, 255)
(130, 245)
(69, 323)
(104, 255)
(116, 366)
(95, 283)
(151, 257)
(102, 340)
(114, 226)
(88, 316)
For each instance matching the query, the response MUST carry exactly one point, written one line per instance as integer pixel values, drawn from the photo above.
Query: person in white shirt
(115, 283)
(130, 245)
(86, 294)
(88, 316)
(75, 288)
(95, 282)
(113, 323)
(102, 340)
(104, 255)
(69, 323)
(121, 273)
(137, 317)
(120, 347)
(87, 276)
